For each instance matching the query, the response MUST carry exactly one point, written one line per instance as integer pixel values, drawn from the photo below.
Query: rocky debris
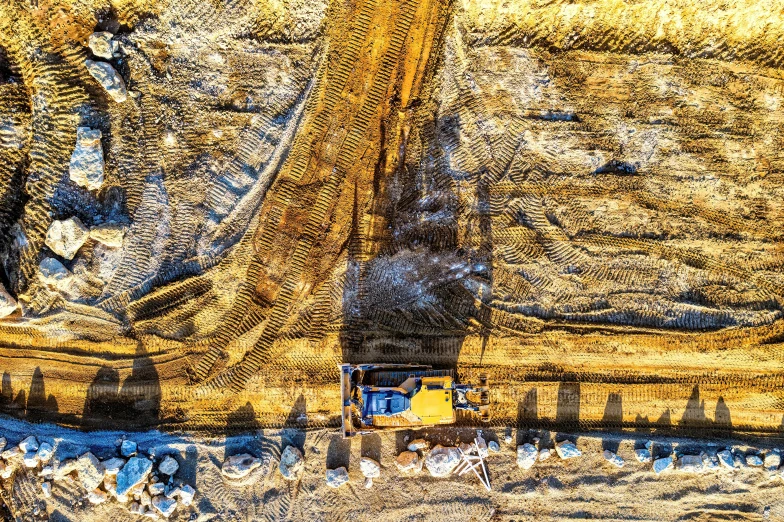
(51, 272)
(239, 466)
(113, 465)
(614, 459)
(109, 79)
(164, 506)
(526, 455)
(132, 474)
(46, 471)
(442, 460)
(725, 458)
(96, 497)
(643, 455)
(753, 461)
(409, 462)
(186, 495)
(493, 446)
(66, 237)
(739, 461)
(337, 477)
(168, 466)
(690, 463)
(46, 487)
(772, 461)
(101, 44)
(157, 488)
(44, 453)
(64, 468)
(90, 471)
(110, 235)
(291, 463)
(87, 165)
(481, 446)
(29, 445)
(7, 305)
(544, 454)
(128, 448)
(466, 447)
(663, 464)
(30, 460)
(10, 453)
(418, 444)
(369, 467)
(567, 450)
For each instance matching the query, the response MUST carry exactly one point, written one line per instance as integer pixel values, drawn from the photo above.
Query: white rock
(52, 272)
(643, 455)
(772, 461)
(526, 455)
(481, 445)
(172, 492)
(46, 471)
(137, 509)
(660, 465)
(128, 448)
(87, 165)
(145, 498)
(168, 466)
(156, 488)
(66, 237)
(442, 460)
(186, 495)
(418, 444)
(409, 462)
(64, 468)
(108, 78)
(239, 466)
(614, 459)
(45, 452)
(544, 454)
(90, 471)
(753, 460)
(3, 442)
(7, 306)
(567, 450)
(369, 467)
(11, 453)
(508, 439)
(690, 463)
(368, 483)
(6, 470)
(30, 460)
(291, 463)
(29, 445)
(493, 446)
(164, 506)
(96, 497)
(110, 235)
(132, 474)
(46, 487)
(101, 44)
(113, 465)
(725, 458)
(337, 477)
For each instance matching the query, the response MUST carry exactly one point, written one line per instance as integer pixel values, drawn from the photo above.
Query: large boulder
(132, 474)
(526, 455)
(409, 462)
(291, 463)
(66, 237)
(90, 471)
(442, 460)
(86, 166)
(239, 466)
(337, 477)
(101, 44)
(369, 467)
(109, 79)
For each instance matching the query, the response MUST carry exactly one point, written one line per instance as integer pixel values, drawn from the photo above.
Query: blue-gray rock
(108, 78)
(567, 450)
(132, 474)
(660, 465)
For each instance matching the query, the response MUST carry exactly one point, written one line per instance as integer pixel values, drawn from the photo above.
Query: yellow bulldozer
(394, 396)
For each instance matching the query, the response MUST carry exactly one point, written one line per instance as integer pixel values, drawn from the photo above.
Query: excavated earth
(581, 200)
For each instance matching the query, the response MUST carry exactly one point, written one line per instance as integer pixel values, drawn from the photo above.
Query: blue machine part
(383, 402)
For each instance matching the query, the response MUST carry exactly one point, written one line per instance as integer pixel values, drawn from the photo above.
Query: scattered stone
(87, 165)
(45, 452)
(660, 465)
(90, 471)
(64, 468)
(52, 272)
(508, 439)
(753, 461)
(418, 444)
(66, 237)
(164, 506)
(291, 463)
(101, 44)
(442, 460)
(481, 446)
(137, 509)
(567, 450)
(29, 445)
(128, 448)
(110, 235)
(337, 477)
(544, 454)
(725, 458)
(47, 471)
(132, 474)
(6, 470)
(172, 492)
(186, 495)
(466, 448)
(772, 461)
(409, 462)
(30, 460)
(368, 483)
(145, 498)
(96, 497)
(156, 488)
(690, 463)
(739, 461)
(369, 467)
(526, 456)
(614, 459)
(10, 453)
(113, 465)
(108, 78)
(493, 446)
(239, 466)
(46, 487)
(169, 466)
(7, 306)
(643, 455)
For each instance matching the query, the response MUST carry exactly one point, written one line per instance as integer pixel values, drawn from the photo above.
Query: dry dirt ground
(581, 200)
